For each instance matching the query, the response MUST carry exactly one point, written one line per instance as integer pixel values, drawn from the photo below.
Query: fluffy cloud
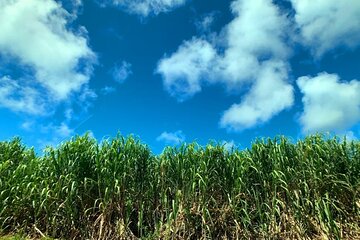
(184, 69)
(145, 8)
(325, 24)
(120, 72)
(255, 54)
(269, 95)
(108, 90)
(256, 34)
(36, 36)
(171, 137)
(329, 103)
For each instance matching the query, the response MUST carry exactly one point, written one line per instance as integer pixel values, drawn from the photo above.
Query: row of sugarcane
(118, 189)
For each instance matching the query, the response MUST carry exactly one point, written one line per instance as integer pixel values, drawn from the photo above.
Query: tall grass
(118, 189)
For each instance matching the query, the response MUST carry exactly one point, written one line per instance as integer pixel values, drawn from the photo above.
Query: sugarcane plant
(118, 189)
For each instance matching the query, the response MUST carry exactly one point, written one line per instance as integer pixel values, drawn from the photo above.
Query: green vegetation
(20, 237)
(118, 189)
(17, 237)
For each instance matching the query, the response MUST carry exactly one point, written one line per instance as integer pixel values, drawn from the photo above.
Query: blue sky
(170, 71)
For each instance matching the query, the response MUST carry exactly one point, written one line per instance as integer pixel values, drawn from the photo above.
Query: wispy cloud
(21, 98)
(205, 23)
(120, 72)
(172, 138)
(108, 90)
(56, 133)
(144, 8)
(27, 125)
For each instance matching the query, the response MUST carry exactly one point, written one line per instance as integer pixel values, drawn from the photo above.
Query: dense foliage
(119, 189)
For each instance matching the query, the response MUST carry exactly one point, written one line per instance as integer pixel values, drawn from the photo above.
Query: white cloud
(205, 23)
(19, 98)
(57, 131)
(69, 114)
(327, 24)
(77, 3)
(27, 125)
(54, 134)
(73, 6)
(108, 90)
(254, 35)
(183, 70)
(269, 95)
(145, 8)
(329, 103)
(63, 130)
(172, 138)
(35, 35)
(120, 72)
(254, 53)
